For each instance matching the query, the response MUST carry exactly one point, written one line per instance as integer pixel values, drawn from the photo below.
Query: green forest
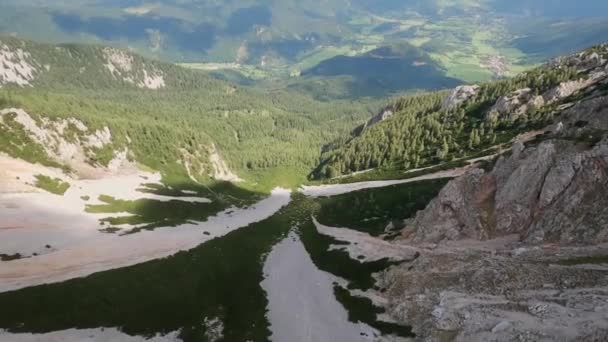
(255, 131)
(267, 137)
(422, 133)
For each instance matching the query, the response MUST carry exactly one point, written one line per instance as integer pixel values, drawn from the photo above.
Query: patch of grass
(150, 214)
(371, 210)
(52, 185)
(359, 274)
(363, 310)
(16, 143)
(598, 259)
(10, 257)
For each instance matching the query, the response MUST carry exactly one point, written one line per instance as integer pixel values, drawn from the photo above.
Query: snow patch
(329, 190)
(301, 301)
(364, 247)
(68, 240)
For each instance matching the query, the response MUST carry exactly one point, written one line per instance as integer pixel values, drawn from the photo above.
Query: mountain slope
(517, 248)
(431, 128)
(382, 71)
(170, 116)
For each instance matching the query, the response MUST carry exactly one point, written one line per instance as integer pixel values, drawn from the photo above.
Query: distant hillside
(470, 40)
(172, 119)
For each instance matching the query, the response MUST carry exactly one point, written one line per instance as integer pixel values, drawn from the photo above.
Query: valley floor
(279, 270)
(56, 239)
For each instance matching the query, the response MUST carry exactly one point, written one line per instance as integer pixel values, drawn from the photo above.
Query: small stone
(502, 326)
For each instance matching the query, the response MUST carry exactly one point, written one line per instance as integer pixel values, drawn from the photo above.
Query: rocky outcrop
(459, 95)
(67, 141)
(591, 67)
(16, 67)
(205, 161)
(383, 115)
(513, 106)
(551, 193)
(584, 61)
(500, 292)
(122, 66)
(220, 168)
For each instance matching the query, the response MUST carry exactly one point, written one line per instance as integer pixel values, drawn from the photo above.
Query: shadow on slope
(384, 70)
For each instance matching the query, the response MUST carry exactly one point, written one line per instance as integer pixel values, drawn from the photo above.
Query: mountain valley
(258, 170)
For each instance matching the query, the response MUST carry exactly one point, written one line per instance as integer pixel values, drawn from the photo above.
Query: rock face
(459, 95)
(550, 193)
(384, 114)
(516, 104)
(516, 254)
(585, 117)
(68, 141)
(499, 293)
(16, 67)
(122, 66)
(553, 192)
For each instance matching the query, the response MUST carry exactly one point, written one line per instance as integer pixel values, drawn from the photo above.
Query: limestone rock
(68, 141)
(16, 67)
(550, 193)
(384, 114)
(565, 89)
(459, 95)
(470, 295)
(513, 105)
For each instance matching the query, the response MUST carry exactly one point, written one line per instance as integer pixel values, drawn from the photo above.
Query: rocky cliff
(520, 252)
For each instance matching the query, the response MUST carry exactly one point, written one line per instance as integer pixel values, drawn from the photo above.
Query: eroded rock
(459, 95)
(16, 67)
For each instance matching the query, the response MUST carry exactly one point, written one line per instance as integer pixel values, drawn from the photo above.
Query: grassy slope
(372, 210)
(52, 185)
